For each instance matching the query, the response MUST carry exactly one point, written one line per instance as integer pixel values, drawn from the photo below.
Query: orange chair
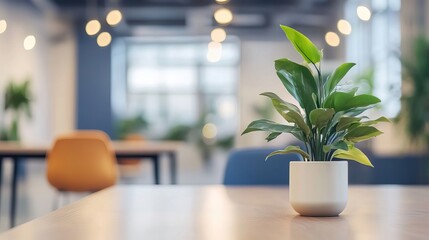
(83, 161)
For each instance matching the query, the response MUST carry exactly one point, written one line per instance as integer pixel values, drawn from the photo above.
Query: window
(375, 45)
(171, 83)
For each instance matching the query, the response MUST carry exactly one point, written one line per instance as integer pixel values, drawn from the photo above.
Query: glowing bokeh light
(209, 131)
(344, 27)
(332, 39)
(93, 27)
(3, 26)
(114, 17)
(363, 13)
(214, 52)
(29, 42)
(218, 35)
(215, 46)
(223, 16)
(104, 39)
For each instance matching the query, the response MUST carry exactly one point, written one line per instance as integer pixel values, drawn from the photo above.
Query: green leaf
(337, 75)
(299, 135)
(337, 100)
(298, 81)
(327, 148)
(290, 149)
(345, 122)
(331, 130)
(320, 117)
(336, 118)
(296, 118)
(362, 133)
(314, 97)
(289, 112)
(281, 102)
(378, 120)
(340, 145)
(353, 91)
(353, 126)
(353, 154)
(361, 101)
(346, 101)
(341, 100)
(268, 126)
(336, 145)
(356, 111)
(272, 136)
(302, 44)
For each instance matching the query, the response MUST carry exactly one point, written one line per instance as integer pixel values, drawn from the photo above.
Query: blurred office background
(192, 71)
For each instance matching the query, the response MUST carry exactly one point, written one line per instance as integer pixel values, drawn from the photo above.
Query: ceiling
(256, 18)
(170, 3)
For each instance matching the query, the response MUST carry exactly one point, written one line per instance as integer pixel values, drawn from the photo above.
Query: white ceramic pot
(318, 189)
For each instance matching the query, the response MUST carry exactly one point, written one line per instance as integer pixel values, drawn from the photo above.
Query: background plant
(131, 125)
(193, 133)
(331, 121)
(17, 102)
(416, 105)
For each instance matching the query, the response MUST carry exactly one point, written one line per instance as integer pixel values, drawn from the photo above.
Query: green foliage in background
(178, 133)
(416, 105)
(131, 125)
(193, 133)
(331, 122)
(17, 102)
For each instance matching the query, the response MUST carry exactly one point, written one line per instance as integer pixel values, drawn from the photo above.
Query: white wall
(257, 75)
(62, 76)
(50, 67)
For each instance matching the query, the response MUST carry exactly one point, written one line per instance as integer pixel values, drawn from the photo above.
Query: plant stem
(313, 146)
(319, 85)
(317, 139)
(307, 149)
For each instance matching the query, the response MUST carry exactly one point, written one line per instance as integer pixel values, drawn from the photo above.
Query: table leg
(155, 160)
(1, 178)
(13, 191)
(173, 168)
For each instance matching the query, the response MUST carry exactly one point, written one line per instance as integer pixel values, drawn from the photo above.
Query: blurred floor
(36, 197)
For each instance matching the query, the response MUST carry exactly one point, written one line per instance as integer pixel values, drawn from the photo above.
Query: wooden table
(123, 149)
(230, 213)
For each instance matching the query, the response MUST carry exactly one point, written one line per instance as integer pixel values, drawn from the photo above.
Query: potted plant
(329, 125)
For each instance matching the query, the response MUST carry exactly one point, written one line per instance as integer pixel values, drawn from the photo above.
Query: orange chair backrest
(82, 161)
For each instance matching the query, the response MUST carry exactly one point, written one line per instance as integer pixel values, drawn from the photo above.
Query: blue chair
(248, 167)
(404, 170)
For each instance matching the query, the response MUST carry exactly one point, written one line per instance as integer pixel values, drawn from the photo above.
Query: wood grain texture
(226, 213)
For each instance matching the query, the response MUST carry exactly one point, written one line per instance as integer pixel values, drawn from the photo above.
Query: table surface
(226, 213)
(128, 147)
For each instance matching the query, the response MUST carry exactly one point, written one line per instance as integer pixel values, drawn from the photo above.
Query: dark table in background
(124, 149)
